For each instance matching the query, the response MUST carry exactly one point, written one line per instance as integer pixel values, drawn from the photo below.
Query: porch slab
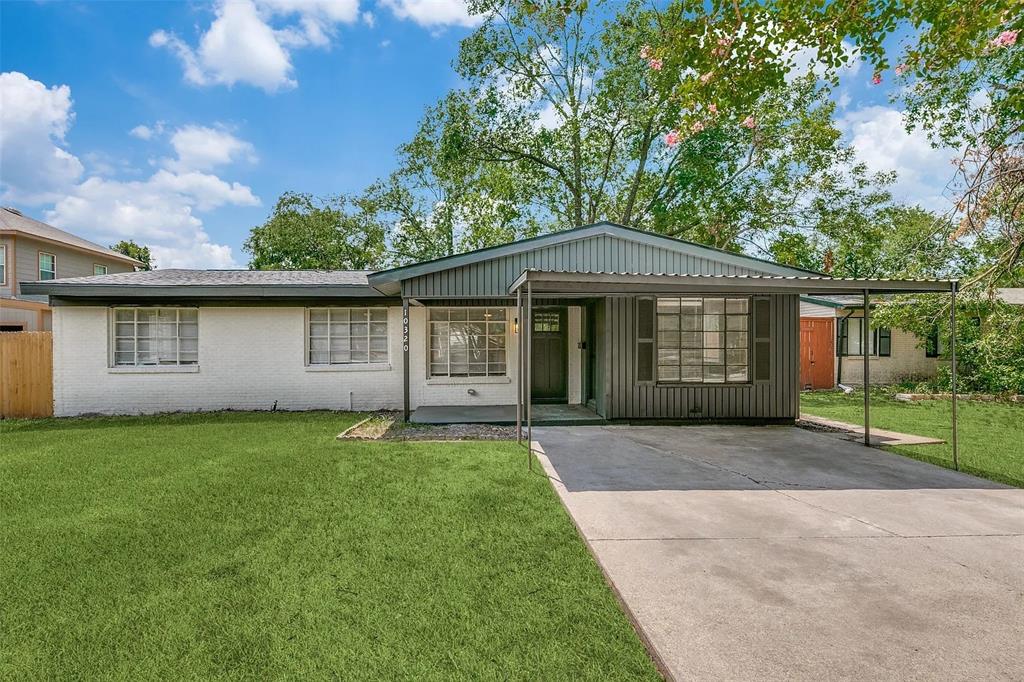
(543, 415)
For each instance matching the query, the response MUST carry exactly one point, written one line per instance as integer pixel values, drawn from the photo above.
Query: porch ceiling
(618, 283)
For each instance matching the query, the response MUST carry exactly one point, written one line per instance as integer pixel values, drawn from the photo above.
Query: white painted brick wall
(906, 361)
(251, 357)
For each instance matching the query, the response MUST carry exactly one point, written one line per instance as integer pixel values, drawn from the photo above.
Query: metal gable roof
(387, 280)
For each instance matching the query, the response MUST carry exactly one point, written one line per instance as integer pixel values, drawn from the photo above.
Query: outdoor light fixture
(515, 325)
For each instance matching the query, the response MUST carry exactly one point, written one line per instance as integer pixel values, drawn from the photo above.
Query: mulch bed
(389, 426)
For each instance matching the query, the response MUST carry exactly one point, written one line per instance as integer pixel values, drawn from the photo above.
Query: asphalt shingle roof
(179, 277)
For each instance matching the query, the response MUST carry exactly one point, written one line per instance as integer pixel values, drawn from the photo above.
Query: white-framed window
(98, 269)
(47, 266)
(704, 339)
(467, 342)
(155, 336)
(3, 265)
(347, 336)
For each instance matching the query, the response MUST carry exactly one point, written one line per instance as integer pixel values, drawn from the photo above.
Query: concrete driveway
(775, 552)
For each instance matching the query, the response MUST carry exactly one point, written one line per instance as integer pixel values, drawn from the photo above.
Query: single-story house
(832, 348)
(626, 324)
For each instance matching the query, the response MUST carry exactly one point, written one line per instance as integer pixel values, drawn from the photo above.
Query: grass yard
(991, 434)
(239, 545)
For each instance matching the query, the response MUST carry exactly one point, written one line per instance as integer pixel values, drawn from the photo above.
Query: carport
(650, 286)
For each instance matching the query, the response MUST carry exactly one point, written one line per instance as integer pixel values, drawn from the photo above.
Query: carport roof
(612, 283)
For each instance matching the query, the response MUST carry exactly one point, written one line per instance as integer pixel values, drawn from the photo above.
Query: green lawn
(241, 545)
(991, 434)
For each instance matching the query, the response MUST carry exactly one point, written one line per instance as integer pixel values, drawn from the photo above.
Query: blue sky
(179, 124)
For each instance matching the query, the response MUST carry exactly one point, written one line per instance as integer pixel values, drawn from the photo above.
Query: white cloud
(142, 132)
(242, 46)
(805, 60)
(433, 13)
(203, 148)
(369, 19)
(159, 211)
(882, 143)
(34, 120)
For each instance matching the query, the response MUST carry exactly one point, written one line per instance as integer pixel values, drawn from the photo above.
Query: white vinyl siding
(467, 342)
(347, 336)
(155, 337)
(703, 340)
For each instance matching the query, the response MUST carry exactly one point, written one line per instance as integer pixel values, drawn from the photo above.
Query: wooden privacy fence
(26, 374)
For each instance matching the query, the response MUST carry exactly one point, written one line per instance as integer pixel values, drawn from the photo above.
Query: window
(347, 336)
(850, 338)
(156, 336)
(99, 269)
(3, 264)
(47, 266)
(703, 340)
(467, 342)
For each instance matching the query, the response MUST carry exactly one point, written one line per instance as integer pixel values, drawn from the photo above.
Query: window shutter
(841, 332)
(762, 339)
(645, 339)
(883, 342)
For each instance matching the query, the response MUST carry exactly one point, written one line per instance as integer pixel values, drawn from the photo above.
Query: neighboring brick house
(31, 251)
(896, 354)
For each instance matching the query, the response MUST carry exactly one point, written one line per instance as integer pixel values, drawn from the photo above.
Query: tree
(140, 253)
(561, 123)
(306, 233)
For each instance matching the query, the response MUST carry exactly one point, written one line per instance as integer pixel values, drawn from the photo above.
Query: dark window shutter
(762, 339)
(841, 338)
(645, 339)
(931, 345)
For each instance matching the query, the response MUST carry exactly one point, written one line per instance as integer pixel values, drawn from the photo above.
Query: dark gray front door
(549, 356)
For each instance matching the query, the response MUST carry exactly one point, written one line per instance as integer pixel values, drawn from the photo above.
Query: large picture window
(156, 336)
(704, 340)
(467, 342)
(347, 336)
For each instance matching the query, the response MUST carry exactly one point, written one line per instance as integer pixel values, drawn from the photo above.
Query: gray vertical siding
(601, 253)
(774, 399)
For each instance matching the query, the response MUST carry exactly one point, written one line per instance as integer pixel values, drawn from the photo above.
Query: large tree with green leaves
(307, 233)
(562, 121)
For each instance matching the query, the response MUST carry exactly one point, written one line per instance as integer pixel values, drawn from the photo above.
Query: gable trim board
(253, 319)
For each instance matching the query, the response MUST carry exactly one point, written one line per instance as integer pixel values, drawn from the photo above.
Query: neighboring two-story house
(31, 250)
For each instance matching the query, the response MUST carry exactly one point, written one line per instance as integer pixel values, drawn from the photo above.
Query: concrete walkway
(855, 432)
(779, 553)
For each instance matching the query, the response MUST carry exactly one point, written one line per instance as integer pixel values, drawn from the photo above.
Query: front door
(549, 354)
(817, 369)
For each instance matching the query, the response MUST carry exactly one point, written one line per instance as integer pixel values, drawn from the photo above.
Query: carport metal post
(952, 368)
(519, 377)
(866, 350)
(528, 330)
